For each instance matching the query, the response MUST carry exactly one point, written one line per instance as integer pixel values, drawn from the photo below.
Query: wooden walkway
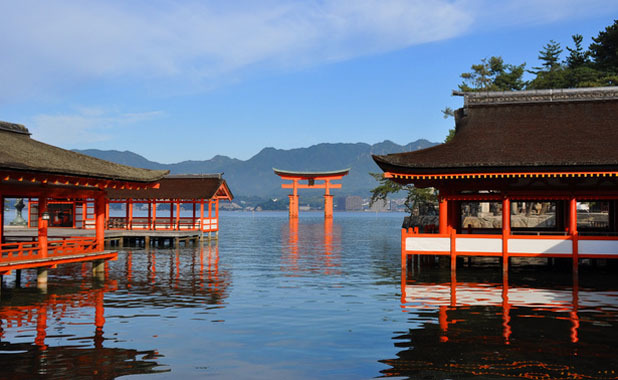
(53, 261)
(114, 238)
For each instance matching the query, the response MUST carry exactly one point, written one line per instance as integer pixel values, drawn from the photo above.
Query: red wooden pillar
(154, 214)
(74, 213)
(42, 226)
(443, 220)
(193, 218)
(100, 207)
(506, 232)
(149, 215)
(84, 213)
(126, 214)
(294, 200)
(209, 215)
(328, 206)
(130, 221)
(328, 200)
(573, 232)
(202, 214)
(217, 212)
(177, 215)
(2, 218)
(106, 212)
(171, 215)
(29, 211)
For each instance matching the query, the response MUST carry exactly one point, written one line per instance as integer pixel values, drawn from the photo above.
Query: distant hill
(254, 177)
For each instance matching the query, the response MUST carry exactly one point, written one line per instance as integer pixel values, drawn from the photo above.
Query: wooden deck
(115, 238)
(53, 261)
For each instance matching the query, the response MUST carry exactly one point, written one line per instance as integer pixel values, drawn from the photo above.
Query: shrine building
(200, 193)
(32, 169)
(527, 173)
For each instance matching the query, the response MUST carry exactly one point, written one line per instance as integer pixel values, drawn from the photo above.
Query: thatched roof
(189, 186)
(526, 131)
(19, 152)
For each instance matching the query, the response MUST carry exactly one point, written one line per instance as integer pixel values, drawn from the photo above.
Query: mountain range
(255, 178)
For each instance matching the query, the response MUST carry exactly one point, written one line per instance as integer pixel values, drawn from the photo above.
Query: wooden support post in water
(41, 278)
(98, 269)
(18, 278)
(573, 233)
(506, 232)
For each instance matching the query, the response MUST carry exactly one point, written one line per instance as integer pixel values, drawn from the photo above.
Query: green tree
(550, 58)
(492, 74)
(551, 73)
(604, 49)
(577, 56)
(416, 199)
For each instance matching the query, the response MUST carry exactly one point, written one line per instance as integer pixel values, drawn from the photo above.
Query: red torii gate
(311, 177)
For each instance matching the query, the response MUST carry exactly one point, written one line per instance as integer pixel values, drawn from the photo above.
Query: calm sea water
(308, 300)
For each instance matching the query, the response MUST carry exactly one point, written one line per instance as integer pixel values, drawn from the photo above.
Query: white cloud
(50, 42)
(47, 43)
(87, 125)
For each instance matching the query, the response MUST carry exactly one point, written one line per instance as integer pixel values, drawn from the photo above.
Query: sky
(188, 80)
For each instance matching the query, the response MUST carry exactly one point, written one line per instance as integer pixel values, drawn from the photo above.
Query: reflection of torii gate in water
(311, 177)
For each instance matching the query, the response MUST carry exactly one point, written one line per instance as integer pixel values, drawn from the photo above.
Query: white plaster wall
(478, 245)
(419, 244)
(554, 246)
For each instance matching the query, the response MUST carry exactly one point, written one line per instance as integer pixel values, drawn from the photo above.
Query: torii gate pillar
(294, 201)
(328, 206)
(311, 177)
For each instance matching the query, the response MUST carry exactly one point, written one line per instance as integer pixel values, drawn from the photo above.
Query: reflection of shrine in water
(62, 333)
(532, 325)
(25, 336)
(311, 247)
(188, 277)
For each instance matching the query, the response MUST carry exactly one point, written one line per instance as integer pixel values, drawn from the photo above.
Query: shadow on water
(60, 332)
(535, 323)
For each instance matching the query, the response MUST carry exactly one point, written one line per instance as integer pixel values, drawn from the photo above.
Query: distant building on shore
(382, 205)
(353, 203)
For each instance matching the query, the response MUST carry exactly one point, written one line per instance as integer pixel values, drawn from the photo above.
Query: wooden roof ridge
(20, 153)
(180, 186)
(13, 127)
(585, 94)
(311, 174)
(196, 176)
(525, 136)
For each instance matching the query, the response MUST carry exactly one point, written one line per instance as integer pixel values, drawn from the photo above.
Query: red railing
(162, 223)
(10, 252)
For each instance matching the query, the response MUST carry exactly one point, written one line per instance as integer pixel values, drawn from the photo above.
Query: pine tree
(550, 56)
(604, 50)
(577, 56)
(493, 75)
